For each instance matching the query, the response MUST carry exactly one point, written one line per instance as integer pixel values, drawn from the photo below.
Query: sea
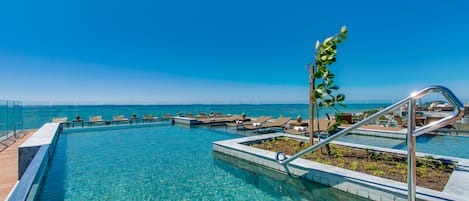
(34, 116)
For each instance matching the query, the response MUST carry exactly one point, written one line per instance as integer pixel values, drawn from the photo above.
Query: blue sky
(215, 51)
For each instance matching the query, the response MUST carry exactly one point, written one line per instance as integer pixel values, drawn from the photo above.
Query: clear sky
(212, 51)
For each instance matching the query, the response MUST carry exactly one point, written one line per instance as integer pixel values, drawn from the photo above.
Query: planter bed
(431, 173)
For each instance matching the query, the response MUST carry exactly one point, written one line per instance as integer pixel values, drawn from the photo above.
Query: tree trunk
(311, 105)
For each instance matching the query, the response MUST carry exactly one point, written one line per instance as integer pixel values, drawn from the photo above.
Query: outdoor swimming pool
(445, 145)
(165, 163)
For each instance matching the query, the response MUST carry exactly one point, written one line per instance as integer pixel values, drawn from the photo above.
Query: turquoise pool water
(165, 163)
(456, 146)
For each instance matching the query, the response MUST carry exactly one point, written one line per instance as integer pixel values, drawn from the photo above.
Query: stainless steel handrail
(412, 132)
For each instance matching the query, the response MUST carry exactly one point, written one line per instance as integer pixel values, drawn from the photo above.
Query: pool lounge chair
(323, 126)
(202, 115)
(119, 119)
(218, 114)
(260, 120)
(59, 120)
(278, 123)
(150, 118)
(167, 116)
(96, 120)
(219, 120)
(399, 121)
(233, 118)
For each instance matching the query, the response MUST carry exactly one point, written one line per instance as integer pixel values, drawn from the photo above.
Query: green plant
(371, 166)
(371, 154)
(422, 170)
(378, 173)
(323, 95)
(401, 165)
(341, 165)
(335, 152)
(319, 159)
(354, 165)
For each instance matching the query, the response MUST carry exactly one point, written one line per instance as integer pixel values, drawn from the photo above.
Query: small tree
(322, 95)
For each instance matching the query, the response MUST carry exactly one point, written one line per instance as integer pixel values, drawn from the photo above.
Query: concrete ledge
(364, 185)
(186, 120)
(46, 135)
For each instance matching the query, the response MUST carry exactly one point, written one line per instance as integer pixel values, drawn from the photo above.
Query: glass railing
(38, 113)
(11, 118)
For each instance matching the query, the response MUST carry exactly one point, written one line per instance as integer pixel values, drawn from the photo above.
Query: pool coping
(364, 185)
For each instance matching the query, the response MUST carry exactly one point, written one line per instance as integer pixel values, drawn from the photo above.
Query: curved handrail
(452, 99)
(459, 107)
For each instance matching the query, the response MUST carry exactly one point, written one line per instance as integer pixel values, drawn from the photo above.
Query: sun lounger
(236, 120)
(96, 120)
(233, 118)
(260, 120)
(202, 115)
(59, 120)
(167, 116)
(278, 123)
(297, 130)
(119, 119)
(323, 127)
(256, 121)
(218, 120)
(149, 117)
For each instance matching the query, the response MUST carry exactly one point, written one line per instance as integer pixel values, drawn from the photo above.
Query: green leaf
(318, 74)
(334, 88)
(317, 95)
(340, 97)
(343, 29)
(317, 44)
(327, 40)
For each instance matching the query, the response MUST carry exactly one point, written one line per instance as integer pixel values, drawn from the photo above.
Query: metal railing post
(411, 158)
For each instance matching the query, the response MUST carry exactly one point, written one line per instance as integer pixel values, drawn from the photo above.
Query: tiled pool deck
(368, 186)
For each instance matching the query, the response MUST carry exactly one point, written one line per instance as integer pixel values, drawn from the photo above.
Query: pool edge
(364, 185)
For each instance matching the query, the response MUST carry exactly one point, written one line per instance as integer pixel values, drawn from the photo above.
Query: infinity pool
(165, 163)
